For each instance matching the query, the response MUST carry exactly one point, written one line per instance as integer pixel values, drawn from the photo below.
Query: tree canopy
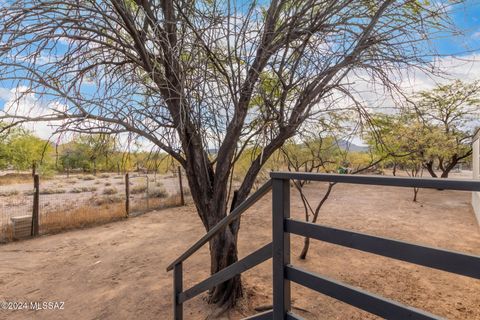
(192, 76)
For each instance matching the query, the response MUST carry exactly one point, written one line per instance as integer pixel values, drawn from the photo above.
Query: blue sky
(467, 20)
(465, 45)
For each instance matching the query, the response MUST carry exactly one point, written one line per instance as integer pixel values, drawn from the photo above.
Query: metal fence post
(182, 198)
(281, 248)
(36, 205)
(177, 289)
(127, 194)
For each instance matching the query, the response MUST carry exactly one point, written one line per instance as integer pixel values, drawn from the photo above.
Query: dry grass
(158, 193)
(110, 190)
(6, 233)
(83, 189)
(52, 191)
(99, 210)
(9, 193)
(57, 221)
(87, 177)
(109, 199)
(156, 203)
(15, 178)
(139, 188)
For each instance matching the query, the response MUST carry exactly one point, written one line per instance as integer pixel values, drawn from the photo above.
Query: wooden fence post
(36, 205)
(127, 194)
(182, 198)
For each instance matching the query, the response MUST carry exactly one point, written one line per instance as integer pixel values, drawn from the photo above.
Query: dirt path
(117, 271)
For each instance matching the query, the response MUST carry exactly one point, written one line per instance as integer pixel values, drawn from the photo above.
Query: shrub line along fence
(41, 211)
(279, 249)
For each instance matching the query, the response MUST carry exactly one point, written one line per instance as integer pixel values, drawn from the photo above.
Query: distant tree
(19, 149)
(320, 152)
(448, 111)
(89, 152)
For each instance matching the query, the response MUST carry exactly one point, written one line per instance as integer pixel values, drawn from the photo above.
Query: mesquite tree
(194, 76)
(319, 153)
(450, 112)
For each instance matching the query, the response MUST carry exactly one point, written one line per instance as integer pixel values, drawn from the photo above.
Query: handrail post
(177, 289)
(281, 248)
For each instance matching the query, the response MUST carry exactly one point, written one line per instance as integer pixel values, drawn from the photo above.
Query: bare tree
(202, 80)
(319, 153)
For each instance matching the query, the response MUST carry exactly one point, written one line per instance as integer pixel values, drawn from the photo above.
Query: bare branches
(191, 76)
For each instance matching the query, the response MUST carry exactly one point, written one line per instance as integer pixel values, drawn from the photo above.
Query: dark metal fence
(284, 272)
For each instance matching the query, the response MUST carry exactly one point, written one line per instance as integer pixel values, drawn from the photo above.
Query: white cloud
(20, 102)
(467, 68)
(5, 94)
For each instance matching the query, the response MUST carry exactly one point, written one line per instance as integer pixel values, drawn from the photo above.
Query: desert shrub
(104, 175)
(52, 191)
(71, 181)
(83, 189)
(100, 201)
(108, 184)
(118, 177)
(87, 177)
(110, 190)
(158, 193)
(120, 183)
(141, 188)
(8, 193)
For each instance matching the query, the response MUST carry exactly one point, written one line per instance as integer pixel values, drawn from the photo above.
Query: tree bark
(415, 193)
(223, 252)
(429, 167)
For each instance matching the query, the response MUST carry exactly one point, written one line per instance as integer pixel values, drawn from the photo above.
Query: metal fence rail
(284, 272)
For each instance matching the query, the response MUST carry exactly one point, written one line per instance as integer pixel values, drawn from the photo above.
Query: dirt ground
(117, 271)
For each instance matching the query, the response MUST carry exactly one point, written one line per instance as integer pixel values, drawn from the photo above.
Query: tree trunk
(211, 209)
(453, 162)
(415, 193)
(306, 243)
(429, 166)
(306, 246)
(223, 252)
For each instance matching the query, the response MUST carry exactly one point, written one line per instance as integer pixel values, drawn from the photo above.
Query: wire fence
(81, 200)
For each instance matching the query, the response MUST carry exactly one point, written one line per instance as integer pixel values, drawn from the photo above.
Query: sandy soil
(117, 271)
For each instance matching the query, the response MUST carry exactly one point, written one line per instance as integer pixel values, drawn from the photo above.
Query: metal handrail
(235, 214)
